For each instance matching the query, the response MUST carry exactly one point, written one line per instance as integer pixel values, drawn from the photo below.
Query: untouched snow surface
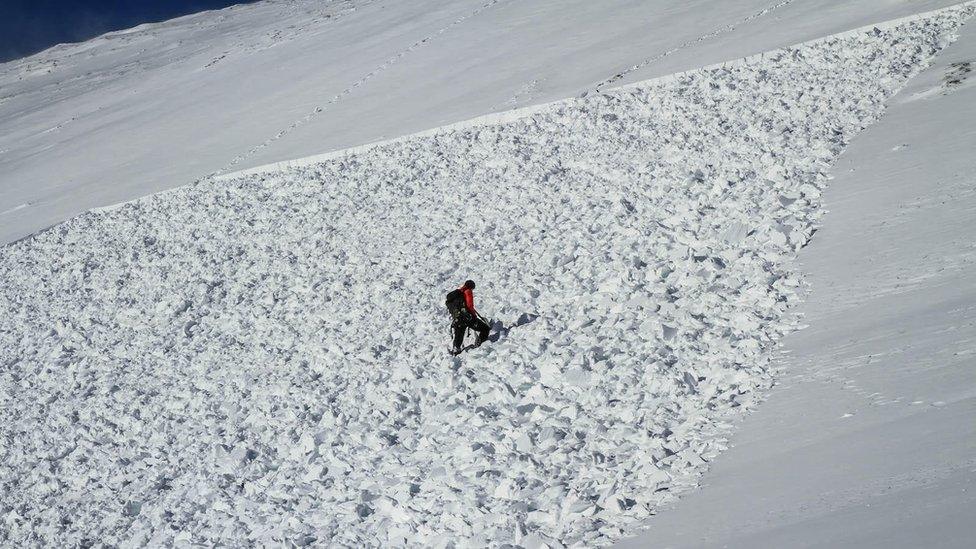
(219, 364)
(161, 105)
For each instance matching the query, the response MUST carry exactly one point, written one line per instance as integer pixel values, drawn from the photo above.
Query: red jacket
(468, 300)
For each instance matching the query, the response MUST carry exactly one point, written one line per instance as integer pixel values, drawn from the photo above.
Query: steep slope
(869, 441)
(261, 360)
(162, 105)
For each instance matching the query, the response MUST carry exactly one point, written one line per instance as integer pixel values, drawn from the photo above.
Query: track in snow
(355, 85)
(609, 82)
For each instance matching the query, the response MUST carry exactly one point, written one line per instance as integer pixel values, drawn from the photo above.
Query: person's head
(469, 284)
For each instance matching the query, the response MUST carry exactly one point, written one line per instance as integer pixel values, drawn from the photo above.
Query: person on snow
(460, 303)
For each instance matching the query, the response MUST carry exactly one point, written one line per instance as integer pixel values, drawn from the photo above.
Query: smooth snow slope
(262, 360)
(870, 439)
(162, 105)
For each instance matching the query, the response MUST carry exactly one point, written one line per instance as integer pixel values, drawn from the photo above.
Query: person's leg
(482, 328)
(459, 328)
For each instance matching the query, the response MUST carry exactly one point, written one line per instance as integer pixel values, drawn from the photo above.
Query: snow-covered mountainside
(868, 439)
(262, 360)
(162, 105)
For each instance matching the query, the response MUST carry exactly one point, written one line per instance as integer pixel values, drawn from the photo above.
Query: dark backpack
(455, 302)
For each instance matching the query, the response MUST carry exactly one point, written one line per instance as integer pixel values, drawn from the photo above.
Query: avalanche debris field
(263, 360)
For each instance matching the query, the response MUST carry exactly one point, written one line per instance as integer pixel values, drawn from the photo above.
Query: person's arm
(469, 302)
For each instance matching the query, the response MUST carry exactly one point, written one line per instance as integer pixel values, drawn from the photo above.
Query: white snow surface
(161, 105)
(262, 360)
(868, 438)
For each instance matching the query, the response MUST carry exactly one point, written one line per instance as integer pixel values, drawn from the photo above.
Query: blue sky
(29, 26)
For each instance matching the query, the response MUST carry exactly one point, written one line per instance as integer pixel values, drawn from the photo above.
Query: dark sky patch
(29, 26)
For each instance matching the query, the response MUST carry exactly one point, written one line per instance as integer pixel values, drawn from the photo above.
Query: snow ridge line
(505, 117)
(357, 84)
(717, 32)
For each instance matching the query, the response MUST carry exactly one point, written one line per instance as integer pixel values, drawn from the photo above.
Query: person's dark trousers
(464, 321)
